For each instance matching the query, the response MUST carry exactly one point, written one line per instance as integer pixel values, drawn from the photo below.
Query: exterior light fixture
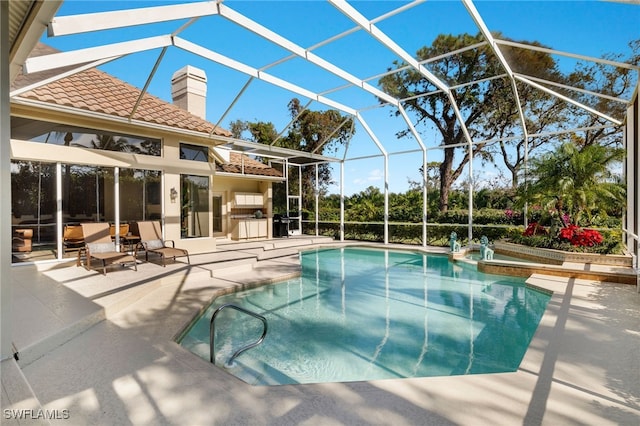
(173, 194)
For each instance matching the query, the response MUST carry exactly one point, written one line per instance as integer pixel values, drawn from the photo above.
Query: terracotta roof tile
(97, 91)
(251, 166)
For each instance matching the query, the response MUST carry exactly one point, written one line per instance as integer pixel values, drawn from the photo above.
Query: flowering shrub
(571, 239)
(534, 228)
(580, 237)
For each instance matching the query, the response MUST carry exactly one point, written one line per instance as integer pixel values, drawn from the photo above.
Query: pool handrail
(212, 329)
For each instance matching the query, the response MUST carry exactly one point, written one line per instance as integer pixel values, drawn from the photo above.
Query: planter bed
(557, 257)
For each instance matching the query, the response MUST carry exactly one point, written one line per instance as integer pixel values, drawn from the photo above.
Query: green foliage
(322, 132)
(488, 108)
(611, 244)
(575, 182)
(405, 217)
(481, 217)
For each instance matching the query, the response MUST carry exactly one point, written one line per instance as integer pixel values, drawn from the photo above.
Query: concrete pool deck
(99, 350)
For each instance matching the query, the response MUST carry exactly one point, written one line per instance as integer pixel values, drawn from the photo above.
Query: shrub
(534, 228)
(580, 237)
(571, 238)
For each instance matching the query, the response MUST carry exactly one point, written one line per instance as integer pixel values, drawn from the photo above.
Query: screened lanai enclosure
(475, 89)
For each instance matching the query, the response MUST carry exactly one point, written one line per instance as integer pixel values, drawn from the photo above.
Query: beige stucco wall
(170, 164)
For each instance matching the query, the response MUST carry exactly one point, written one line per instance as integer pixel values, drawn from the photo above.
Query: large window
(140, 195)
(88, 195)
(59, 134)
(195, 206)
(33, 208)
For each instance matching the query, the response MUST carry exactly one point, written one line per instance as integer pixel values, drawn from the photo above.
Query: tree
(312, 131)
(366, 206)
(260, 131)
(608, 80)
(574, 184)
(487, 107)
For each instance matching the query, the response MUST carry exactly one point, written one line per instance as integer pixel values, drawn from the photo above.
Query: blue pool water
(364, 314)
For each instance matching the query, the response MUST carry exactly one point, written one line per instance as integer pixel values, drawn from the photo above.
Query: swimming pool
(364, 314)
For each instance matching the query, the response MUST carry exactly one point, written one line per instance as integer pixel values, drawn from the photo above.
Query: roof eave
(34, 22)
(250, 176)
(191, 134)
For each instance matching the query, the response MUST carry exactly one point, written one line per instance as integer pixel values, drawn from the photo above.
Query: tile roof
(97, 91)
(251, 166)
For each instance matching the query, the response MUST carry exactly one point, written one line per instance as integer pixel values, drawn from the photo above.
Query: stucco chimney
(189, 90)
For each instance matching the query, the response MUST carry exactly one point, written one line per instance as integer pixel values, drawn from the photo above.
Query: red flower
(580, 237)
(534, 229)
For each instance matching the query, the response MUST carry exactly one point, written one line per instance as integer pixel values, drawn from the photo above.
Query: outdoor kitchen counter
(247, 228)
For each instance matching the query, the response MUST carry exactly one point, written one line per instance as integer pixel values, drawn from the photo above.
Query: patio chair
(124, 230)
(72, 238)
(99, 246)
(152, 242)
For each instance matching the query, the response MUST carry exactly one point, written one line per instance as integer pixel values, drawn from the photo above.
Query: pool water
(365, 314)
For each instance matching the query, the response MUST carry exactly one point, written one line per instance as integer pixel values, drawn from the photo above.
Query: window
(88, 195)
(59, 134)
(217, 213)
(33, 208)
(194, 217)
(140, 195)
(194, 152)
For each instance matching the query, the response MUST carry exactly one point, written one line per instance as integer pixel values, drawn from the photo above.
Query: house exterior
(90, 147)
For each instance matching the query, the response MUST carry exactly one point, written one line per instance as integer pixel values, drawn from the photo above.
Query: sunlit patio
(100, 350)
(86, 348)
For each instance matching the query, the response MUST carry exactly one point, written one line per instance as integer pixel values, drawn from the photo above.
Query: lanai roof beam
(386, 41)
(496, 51)
(429, 60)
(146, 84)
(567, 99)
(328, 138)
(81, 68)
(88, 22)
(299, 51)
(293, 120)
(572, 88)
(82, 56)
(260, 75)
(347, 32)
(569, 55)
(232, 104)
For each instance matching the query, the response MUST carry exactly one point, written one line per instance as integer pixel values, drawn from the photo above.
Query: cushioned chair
(21, 241)
(124, 230)
(152, 242)
(100, 246)
(72, 238)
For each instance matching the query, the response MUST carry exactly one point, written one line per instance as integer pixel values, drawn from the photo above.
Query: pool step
(613, 274)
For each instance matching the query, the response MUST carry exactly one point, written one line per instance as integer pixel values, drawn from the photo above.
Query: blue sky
(585, 27)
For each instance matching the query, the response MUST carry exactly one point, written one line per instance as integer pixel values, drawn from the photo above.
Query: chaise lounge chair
(152, 242)
(98, 245)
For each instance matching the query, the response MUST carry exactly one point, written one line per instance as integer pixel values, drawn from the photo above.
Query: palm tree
(574, 181)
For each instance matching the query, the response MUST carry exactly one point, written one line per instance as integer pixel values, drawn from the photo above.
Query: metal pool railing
(212, 332)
